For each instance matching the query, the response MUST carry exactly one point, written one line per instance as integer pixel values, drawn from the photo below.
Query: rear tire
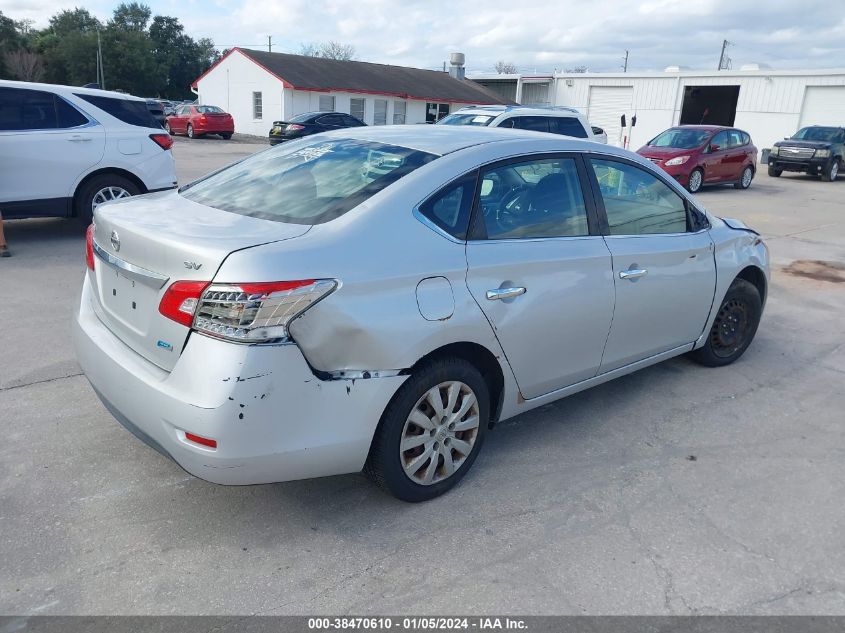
(734, 327)
(190, 131)
(774, 172)
(440, 443)
(103, 187)
(745, 178)
(696, 179)
(226, 137)
(831, 172)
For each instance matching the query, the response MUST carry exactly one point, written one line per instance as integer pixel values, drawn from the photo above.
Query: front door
(663, 264)
(715, 166)
(540, 274)
(46, 145)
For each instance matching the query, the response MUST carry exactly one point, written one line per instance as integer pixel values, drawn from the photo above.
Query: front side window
(533, 199)
(36, 110)
(356, 108)
(637, 202)
(309, 181)
(534, 123)
(720, 141)
(126, 110)
(257, 105)
(450, 208)
(735, 139)
(568, 126)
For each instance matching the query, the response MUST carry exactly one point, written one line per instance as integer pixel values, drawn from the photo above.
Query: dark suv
(815, 150)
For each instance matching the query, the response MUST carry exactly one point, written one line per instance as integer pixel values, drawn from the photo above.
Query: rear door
(46, 144)
(540, 271)
(736, 156)
(663, 264)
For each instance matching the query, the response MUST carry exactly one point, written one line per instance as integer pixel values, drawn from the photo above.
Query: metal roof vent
(456, 65)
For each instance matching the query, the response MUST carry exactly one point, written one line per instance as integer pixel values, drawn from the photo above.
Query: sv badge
(192, 265)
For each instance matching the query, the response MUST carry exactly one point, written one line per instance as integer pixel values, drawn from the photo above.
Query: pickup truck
(815, 150)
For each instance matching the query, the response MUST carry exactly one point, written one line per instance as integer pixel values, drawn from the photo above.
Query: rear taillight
(257, 312)
(164, 141)
(89, 247)
(179, 302)
(293, 127)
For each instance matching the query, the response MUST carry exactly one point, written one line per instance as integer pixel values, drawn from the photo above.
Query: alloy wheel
(834, 171)
(695, 181)
(107, 194)
(440, 433)
(746, 178)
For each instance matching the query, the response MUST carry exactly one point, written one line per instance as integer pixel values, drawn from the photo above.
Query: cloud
(534, 34)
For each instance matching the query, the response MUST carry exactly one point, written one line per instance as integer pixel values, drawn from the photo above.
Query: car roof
(445, 139)
(531, 110)
(703, 128)
(61, 89)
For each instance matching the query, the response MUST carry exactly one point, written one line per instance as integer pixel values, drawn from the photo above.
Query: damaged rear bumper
(272, 419)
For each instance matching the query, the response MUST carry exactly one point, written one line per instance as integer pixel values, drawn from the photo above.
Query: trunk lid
(146, 243)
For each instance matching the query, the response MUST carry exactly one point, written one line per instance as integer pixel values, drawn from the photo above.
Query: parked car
(555, 120)
(64, 150)
(311, 123)
(815, 150)
(698, 155)
(198, 120)
(242, 341)
(157, 110)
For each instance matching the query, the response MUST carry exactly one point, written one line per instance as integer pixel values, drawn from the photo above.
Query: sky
(535, 35)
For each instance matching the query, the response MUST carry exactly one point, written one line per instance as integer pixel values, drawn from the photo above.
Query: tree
(24, 65)
(328, 50)
(9, 41)
(74, 21)
(131, 16)
(505, 68)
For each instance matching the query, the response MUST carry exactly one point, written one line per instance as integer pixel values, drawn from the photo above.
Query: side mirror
(714, 147)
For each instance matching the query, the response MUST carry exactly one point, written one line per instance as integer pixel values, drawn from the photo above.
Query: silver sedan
(378, 298)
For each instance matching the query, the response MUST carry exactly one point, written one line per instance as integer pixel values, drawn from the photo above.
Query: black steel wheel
(734, 326)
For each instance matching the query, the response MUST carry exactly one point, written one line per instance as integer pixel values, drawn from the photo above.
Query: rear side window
(126, 110)
(637, 202)
(534, 123)
(36, 110)
(310, 181)
(568, 126)
(450, 207)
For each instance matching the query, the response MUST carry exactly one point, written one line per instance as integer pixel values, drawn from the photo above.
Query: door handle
(78, 138)
(633, 273)
(504, 293)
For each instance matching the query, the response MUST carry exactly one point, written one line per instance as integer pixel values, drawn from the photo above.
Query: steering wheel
(512, 206)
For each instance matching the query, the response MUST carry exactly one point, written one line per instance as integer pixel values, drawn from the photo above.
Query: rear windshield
(309, 181)
(128, 111)
(681, 139)
(825, 134)
(302, 118)
(466, 119)
(209, 110)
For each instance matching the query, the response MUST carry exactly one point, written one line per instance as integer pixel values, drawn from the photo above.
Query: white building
(259, 87)
(766, 103)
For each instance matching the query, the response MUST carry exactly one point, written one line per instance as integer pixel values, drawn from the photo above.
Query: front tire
(226, 137)
(431, 431)
(696, 179)
(102, 188)
(831, 172)
(745, 179)
(734, 327)
(774, 172)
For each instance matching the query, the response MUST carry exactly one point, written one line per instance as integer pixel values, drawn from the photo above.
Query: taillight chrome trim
(136, 273)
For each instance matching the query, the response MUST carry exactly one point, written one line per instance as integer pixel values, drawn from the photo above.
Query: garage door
(823, 105)
(607, 105)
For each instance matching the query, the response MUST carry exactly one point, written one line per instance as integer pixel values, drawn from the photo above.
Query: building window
(326, 103)
(399, 112)
(356, 108)
(380, 112)
(256, 105)
(436, 111)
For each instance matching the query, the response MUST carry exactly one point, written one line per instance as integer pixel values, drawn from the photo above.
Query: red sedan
(198, 120)
(697, 155)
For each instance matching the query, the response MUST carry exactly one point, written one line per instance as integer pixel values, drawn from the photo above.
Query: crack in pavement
(40, 382)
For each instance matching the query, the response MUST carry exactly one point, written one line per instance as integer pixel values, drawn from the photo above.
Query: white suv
(552, 119)
(64, 150)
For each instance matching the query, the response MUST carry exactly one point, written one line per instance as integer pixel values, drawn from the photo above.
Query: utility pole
(723, 61)
(269, 43)
(101, 75)
(625, 64)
